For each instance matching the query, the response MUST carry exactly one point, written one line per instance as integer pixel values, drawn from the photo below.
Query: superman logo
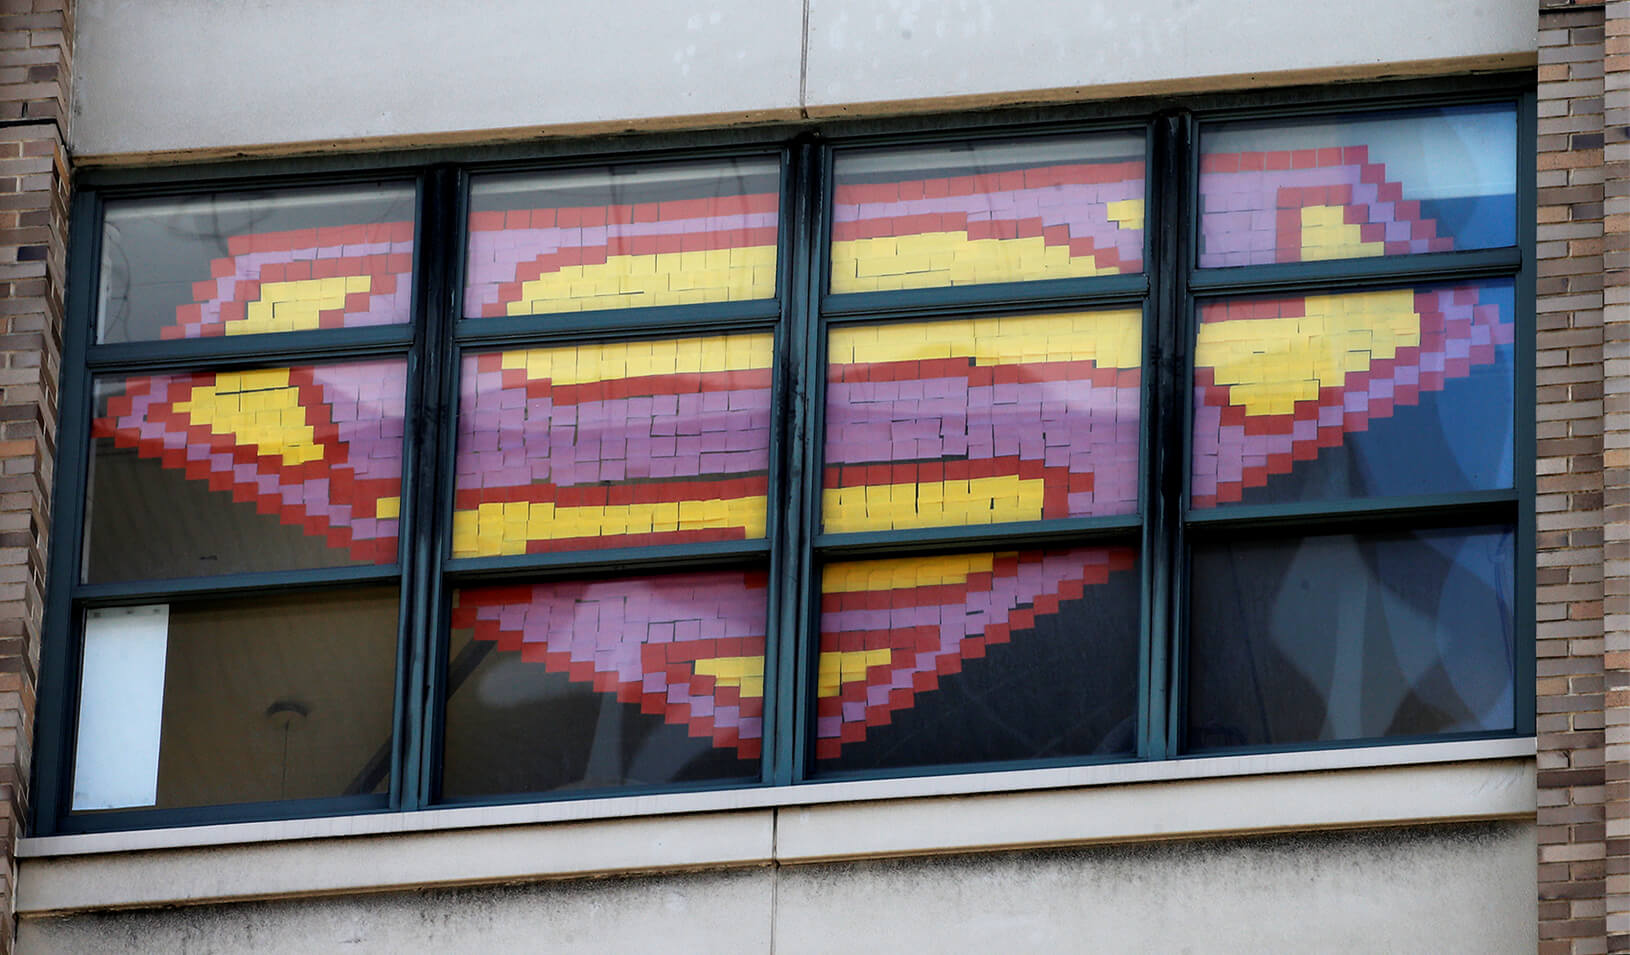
(943, 423)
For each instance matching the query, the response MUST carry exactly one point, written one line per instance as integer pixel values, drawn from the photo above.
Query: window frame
(1169, 291)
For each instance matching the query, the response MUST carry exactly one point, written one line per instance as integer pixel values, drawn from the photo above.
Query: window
(957, 447)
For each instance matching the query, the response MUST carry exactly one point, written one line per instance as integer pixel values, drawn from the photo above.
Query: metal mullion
(311, 578)
(442, 285)
(996, 298)
(251, 350)
(1525, 305)
(784, 527)
(653, 559)
(1424, 268)
(221, 814)
(1321, 101)
(613, 324)
(420, 527)
(1466, 515)
(1375, 509)
(1166, 454)
(926, 539)
(56, 714)
(632, 150)
(808, 351)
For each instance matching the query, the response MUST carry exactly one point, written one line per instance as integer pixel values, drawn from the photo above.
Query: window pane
(982, 421)
(977, 657)
(622, 237)
(242, 263)
(606, 683)
(240, 700)
(1351, 636)
(613, 445)
(200, 473)
(971, 213)
(1362, 394)
(1359, 186)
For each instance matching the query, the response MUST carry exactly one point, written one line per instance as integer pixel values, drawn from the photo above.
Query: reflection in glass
(244, 263)
(241, 700)
(982, 420)
(1358, 186)
(977, 657)
(973, 213)
(199, 473)
(605, 683)
(622, 237)
(1347, 637)
(1359, 394)
(621, 444)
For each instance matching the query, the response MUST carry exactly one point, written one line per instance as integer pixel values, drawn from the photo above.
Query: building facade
(1473, 800)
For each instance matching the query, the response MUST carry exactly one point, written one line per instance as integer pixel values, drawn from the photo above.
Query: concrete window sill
(1127, 802)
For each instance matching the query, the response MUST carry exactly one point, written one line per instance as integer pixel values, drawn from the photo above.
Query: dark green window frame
(1169, 291)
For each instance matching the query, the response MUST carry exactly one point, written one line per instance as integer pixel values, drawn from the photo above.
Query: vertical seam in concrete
(775, 853)
(803, 65)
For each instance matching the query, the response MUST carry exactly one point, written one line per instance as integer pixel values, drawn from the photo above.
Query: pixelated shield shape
(1274, 383)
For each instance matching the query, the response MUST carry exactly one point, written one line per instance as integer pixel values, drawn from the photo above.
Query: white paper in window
(121, 707)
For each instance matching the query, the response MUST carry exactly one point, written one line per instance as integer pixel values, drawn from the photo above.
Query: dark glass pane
(605, 684)
(976, 658)
(1359, 394)
(1358, 186)
(199, 473)
(974, 213)
(242, 263)
(620, 444)
(622, 237)
(1351, 636)
(982, 420)
(241, 700)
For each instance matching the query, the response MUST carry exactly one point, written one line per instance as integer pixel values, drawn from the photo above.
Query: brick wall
(35, 58)
(1583, 475)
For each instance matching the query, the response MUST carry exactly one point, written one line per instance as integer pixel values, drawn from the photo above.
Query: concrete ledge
(1331, 789)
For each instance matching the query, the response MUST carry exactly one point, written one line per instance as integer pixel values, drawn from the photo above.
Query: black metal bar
(229, 585)
(786, 526)
(995, 298)
(55, 715)
(1025, 533)
(1382, 270)
(1167, 452)
(610, 560)
(617, 324)
(809, 426)
(432, 498)
(1526, 302)
(1231, 516)
(223, 814)
(243, 351)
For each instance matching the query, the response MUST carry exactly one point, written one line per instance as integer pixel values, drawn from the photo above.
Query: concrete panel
(888, 50)
(154, 75)
(1461, 888)
(704, 913)
(1444, 889)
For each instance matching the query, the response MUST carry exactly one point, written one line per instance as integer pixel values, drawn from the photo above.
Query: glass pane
(200, 473)
(616, 445)
(1358, 186)
(240, 700)
(977, 657)
(606, 683)
(1362, 394)
(982, 421)
(622, 237)
(1351, 636)
(972, 213)
(242, 263)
